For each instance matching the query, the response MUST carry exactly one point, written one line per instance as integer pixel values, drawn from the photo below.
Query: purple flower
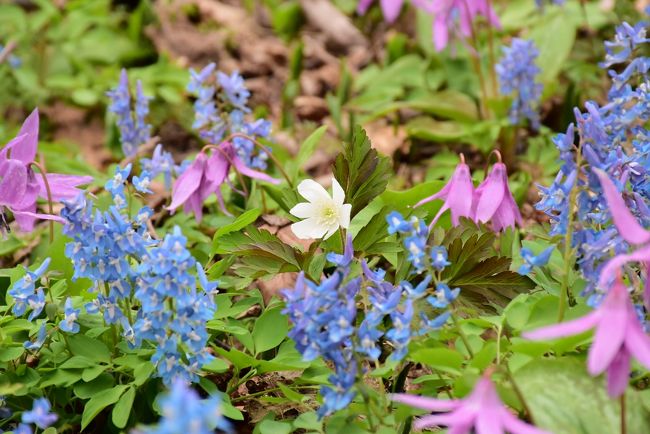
(457, 195)
(206, 175)
(493, 200)
(390, 8)
(481, 411)
(20, 187)
(618, 336)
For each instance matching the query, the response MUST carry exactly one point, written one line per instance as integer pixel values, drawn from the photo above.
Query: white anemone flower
(323, 214)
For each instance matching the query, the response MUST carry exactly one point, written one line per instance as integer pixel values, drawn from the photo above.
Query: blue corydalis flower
(134, 131)
(40, 339)
(443, 296)
(517, 74)
(197, 416)
(439, 258)
(40, 414)
(25, 294)
(530, 260)
(69, 323)
(235, 89)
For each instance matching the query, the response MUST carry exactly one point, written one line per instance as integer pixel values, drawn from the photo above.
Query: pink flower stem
(461, 333)
(265, 149)
(4, 54)
(493, 76)
(41, 170)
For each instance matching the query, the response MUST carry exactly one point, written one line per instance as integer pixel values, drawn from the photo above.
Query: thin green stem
(623, 415)
(41, 169)
(568, 250)
(520, 395)
(462, 334)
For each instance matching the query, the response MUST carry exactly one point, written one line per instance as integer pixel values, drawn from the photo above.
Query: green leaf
(274, 427)
(99, 402)
(240, 222)
(305, 152)
(270, 329)
(92, 349)
(426, 128)
(403, 201)
(442, 359)
(361, 171)
(122, 409)
(11, 353)
(554, 36)
(564, 399)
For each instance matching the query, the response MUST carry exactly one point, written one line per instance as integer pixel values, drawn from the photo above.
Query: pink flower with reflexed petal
(630, 230)
(20, 187)
(482, 411)
(455, 17)
(493, 200)
(618, 336)
(390, 8)
(457, 195)
(206, 175)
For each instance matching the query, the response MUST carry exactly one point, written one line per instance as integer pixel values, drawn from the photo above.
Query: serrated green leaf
(361, 171)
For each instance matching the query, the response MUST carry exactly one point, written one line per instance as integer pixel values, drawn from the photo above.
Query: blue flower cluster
(125, 264)
(415, 243)
(173, 312)
(183, 411)
(220, 108)
(25, 294)
(517, 73)
(104, 245)
(614, 138)
(39, 415)
(134, 130)
(160, 163)
(327, 322)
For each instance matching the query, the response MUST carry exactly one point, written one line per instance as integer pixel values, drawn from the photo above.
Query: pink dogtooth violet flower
(455, 18)
(618, 336)
(630, 230)
(390, 8)
(206, 175)
(482, 412)
(20, 187)
(457, 195)
(493, 200)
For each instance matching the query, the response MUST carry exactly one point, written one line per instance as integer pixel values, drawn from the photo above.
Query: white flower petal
(331, 231)
(308, 229)
(304, 210)
(313, 191)
(344, 215)
(337, 192)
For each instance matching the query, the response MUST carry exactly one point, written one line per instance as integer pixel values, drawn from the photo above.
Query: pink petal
(25, 151)
(425, 403)
(216, 169)
(460, 194)
(442, 194)
(27, 219)
(613, 266)
(440, 33)
(434, 420)
(62, 186)
(391, 9)
(13, 183)
(568, 328)
(488, 422)
(610, 331)
(516, 426)
(245, 170)
(637, 342)
(188, 182)
(491, 193)
(618, 374)
(363, 6)
(625, 222)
